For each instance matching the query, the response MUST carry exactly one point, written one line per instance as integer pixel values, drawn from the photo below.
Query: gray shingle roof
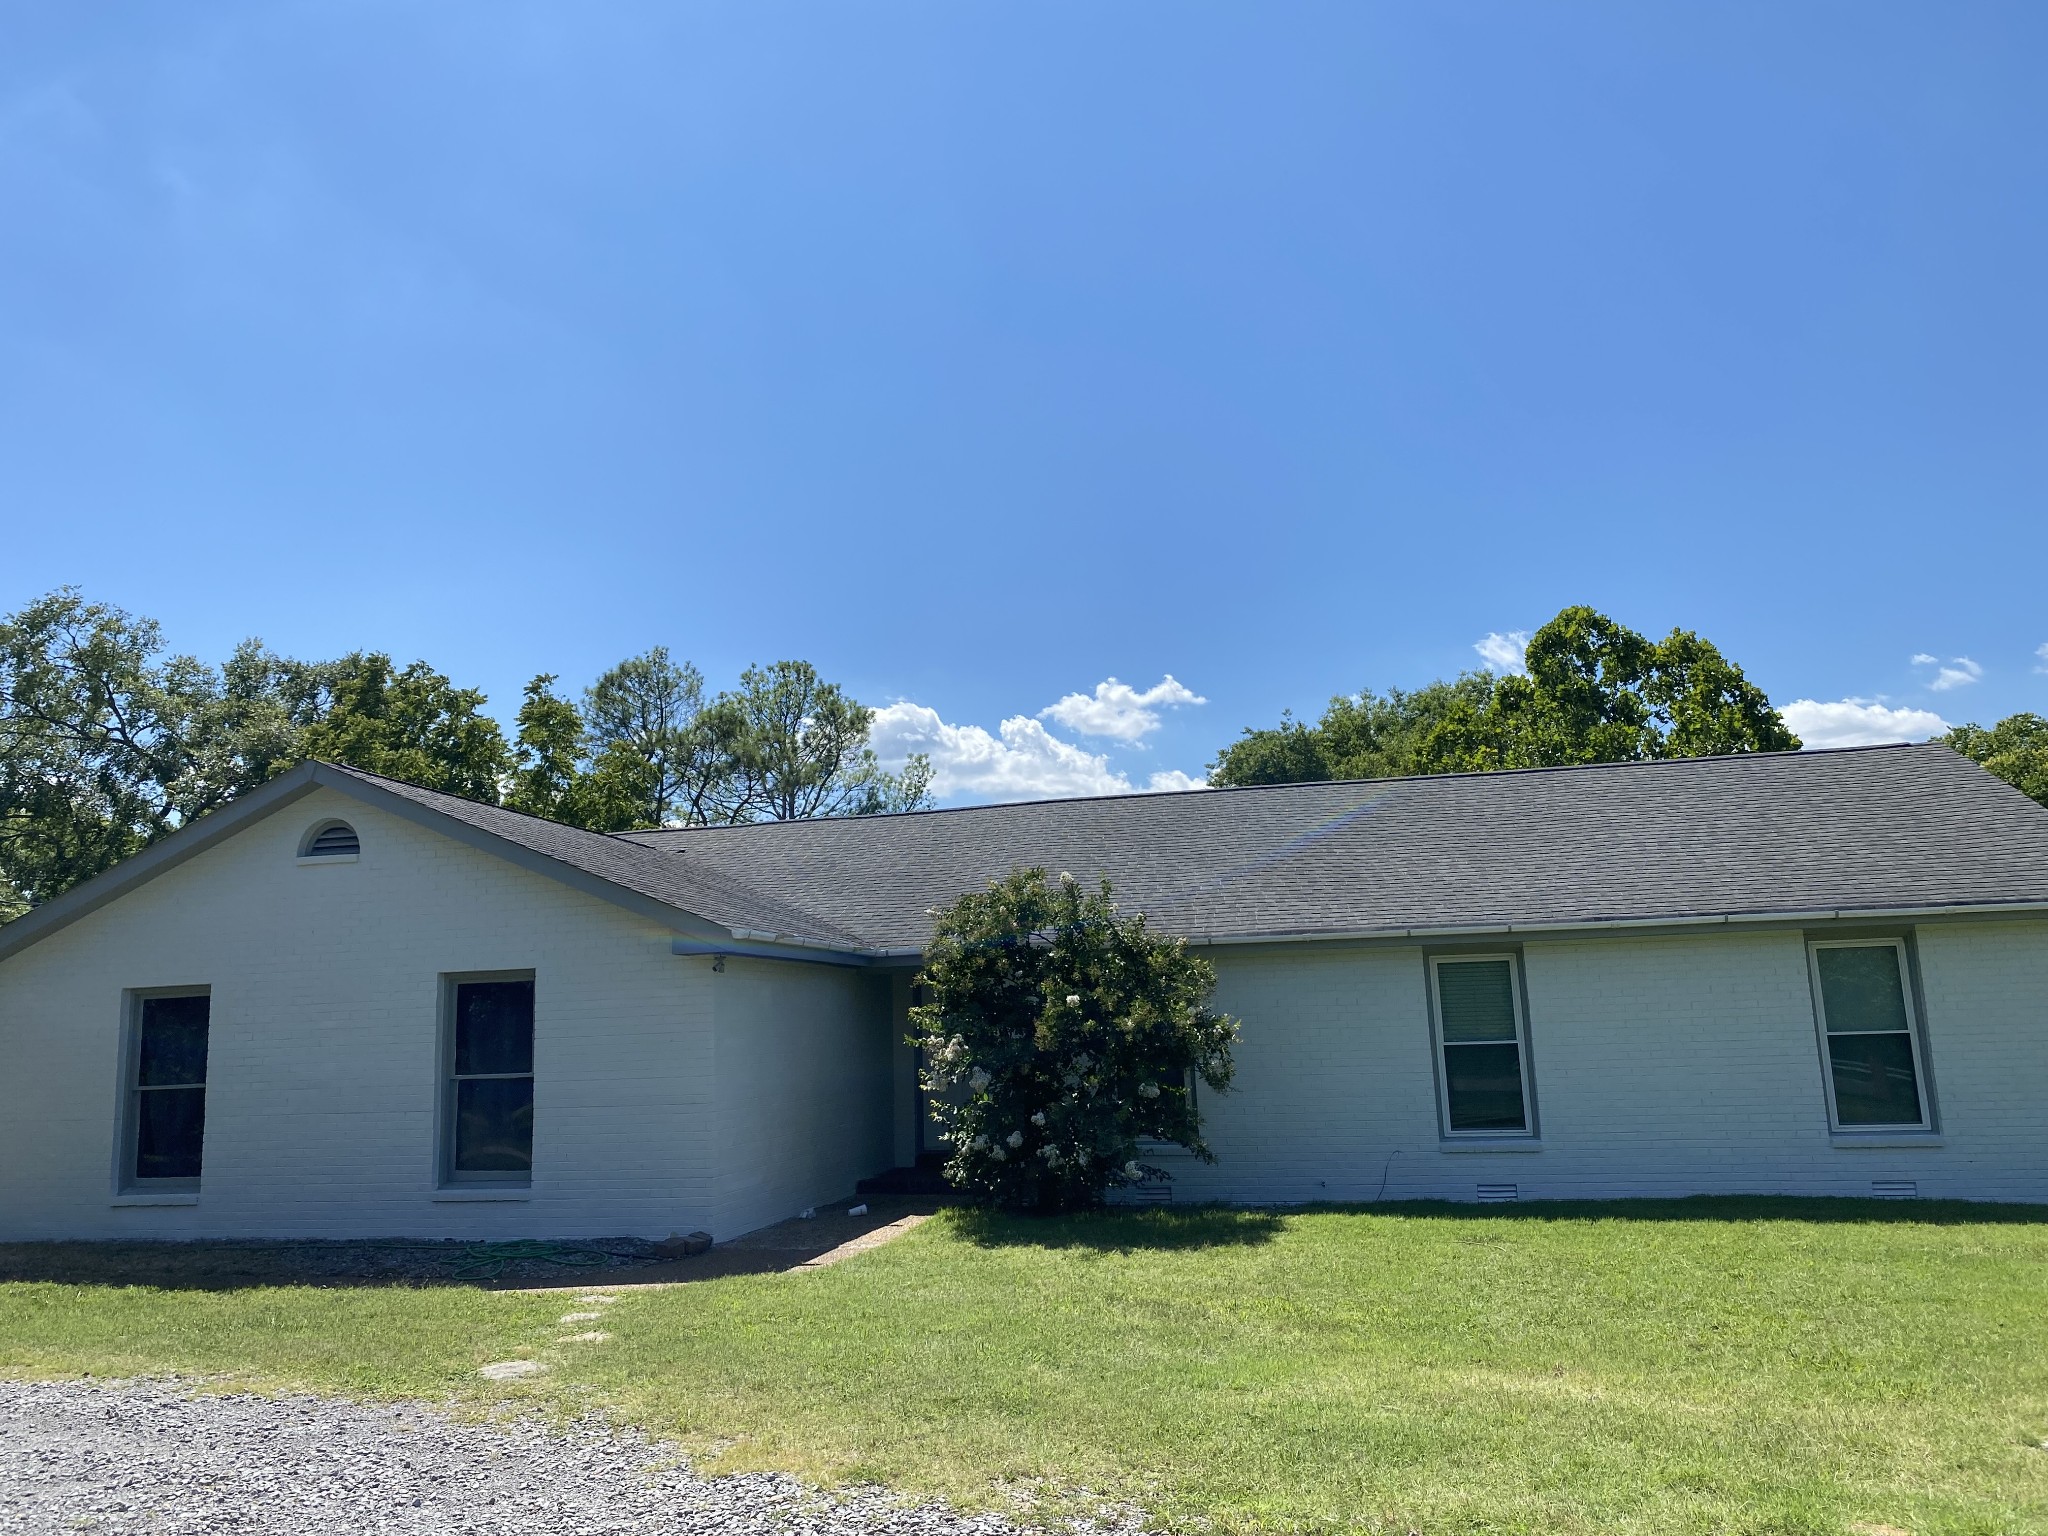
(1865, 828)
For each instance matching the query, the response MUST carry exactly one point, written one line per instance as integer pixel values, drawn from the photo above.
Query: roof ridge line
(1230, 789)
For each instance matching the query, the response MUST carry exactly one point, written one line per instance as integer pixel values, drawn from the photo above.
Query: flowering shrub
(1057, 1034)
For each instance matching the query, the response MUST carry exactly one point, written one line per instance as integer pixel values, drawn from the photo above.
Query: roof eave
(158, 858)
(216, 826)
(2020, 908)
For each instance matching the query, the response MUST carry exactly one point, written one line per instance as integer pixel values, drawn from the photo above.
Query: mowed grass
(1697, 1366)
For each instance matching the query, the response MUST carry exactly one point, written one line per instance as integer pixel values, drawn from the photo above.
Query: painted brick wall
(670, 1097)
(322, 1082)
(1664, 1065)
(806, 1101)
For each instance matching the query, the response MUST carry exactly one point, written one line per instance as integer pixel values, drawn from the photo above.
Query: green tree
(654, 708)
(246, 725)
(1598, 692)
(2016, 749)
(1058, 1034)
(413, 725)
(1364, 736)
(553, 777)
(93, 721)
(800, 749)
(1594, 691)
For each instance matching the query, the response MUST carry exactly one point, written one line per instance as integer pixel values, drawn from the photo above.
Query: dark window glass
(170, 1126)
(1482, 1046)
(1874, 1081)
(1484, 1086)
(172, 1051)
(494, 1125)
(169, 1100)
(1869, 1035)
(492, 1092)
(493, 1027)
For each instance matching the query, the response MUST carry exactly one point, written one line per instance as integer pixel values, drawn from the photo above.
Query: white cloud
(2043, 654)
(1504, 652)
(1963, 671)
(1957, 672)
(1858, 723)
(1119, 710)
(1024, 761)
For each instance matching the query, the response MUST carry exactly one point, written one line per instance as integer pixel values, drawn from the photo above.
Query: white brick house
(350, 1007)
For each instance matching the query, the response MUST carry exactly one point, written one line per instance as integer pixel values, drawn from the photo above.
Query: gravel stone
(154, 1457)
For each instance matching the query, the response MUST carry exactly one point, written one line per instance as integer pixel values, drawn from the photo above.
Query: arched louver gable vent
(332, 841)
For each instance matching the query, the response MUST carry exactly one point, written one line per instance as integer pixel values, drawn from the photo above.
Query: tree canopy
(1594, 691)
(2016, 749)
(108, 741)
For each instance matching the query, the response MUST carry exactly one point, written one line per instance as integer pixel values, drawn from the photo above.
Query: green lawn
(1766, 1366)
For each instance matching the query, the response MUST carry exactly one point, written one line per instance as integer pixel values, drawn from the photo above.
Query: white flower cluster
(942, 1064)
(1148, 1090)
(978, 1079)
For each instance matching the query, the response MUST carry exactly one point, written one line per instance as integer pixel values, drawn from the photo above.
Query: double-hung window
(1870, 1036)
(166, 1120)
(1483, 1045)
(488, 1104)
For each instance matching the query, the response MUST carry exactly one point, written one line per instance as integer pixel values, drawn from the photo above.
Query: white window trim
(1441, 1067)
(1925, 1124)
(446, 1179)
(128, 1189)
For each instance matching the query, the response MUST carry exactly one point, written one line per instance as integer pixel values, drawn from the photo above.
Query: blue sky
(985, 353)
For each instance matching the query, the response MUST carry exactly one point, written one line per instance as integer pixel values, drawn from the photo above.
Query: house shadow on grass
(1127, 1229)
(1726, 1208)
(605, 1264)
(1123, 1229)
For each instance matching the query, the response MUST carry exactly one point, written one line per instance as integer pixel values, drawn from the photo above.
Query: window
(489, 1106)
(1485, 1074)
(166, 1128)
(331, 840)
(1869, 1036)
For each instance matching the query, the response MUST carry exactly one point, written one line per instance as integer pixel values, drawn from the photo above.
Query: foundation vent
(1894, 1189)
(1499, 1194)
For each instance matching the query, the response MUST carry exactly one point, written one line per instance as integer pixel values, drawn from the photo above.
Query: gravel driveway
(148, 1456)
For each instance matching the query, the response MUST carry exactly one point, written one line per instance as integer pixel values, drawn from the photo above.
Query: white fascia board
(810, 955)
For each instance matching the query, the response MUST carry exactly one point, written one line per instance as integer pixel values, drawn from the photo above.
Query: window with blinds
(1482, 1046)
(1870, 1036)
